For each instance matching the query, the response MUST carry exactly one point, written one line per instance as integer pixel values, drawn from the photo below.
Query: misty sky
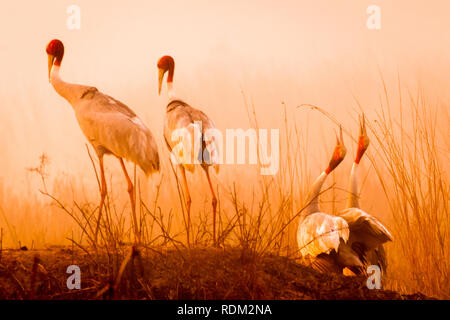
(318, 52)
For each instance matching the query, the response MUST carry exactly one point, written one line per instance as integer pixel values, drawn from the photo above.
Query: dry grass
(161, 274)
(413, 170)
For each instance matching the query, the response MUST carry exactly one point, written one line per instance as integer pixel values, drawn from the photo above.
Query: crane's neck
(69, 91)
(63, 88)
(353, 194)
(313, 197)
(170, 91)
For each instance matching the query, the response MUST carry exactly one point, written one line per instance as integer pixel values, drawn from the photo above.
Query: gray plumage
(109, 125)
(112, 127)
(367, 236)
(180, 115)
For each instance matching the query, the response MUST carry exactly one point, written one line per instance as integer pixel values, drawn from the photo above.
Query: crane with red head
(110, 126)
(194, 146)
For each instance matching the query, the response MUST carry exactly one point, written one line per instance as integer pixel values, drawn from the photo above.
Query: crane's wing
(375, 256)
(347, 257)
(365, 228)
(378, 257)
(325, 263)
(336, 261)
(112, 127)
(105, 102)
(190, 136)
(321, 233)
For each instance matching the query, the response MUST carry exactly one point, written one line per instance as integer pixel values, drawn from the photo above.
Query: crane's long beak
(341, 135)
(363, 141)
(340, 147)
(51, 58)
(160, 78)
(340, 138)
(362, 125)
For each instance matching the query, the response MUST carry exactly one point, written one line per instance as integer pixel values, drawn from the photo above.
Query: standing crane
(367, 233)
(109, 125)
(186, 135)
(323, 237)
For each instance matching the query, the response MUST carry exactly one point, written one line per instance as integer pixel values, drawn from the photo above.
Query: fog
(228, 52)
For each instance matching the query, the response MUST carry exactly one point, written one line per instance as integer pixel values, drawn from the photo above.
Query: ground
(178, 273)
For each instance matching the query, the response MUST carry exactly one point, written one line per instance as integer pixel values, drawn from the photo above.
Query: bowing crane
(109, 125)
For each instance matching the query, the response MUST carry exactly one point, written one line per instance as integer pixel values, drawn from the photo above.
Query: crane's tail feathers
(325, 263)
(212, 153)
(187, 150)
(347, 257)
(149, 171)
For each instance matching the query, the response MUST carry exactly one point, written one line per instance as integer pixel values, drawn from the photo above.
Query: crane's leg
(133, 202)
(188, 201)
(102, 194)
(214, 204)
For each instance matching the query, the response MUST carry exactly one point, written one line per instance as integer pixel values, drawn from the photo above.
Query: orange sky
(316, 52)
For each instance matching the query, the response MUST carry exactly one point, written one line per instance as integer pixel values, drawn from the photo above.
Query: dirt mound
(174, 274)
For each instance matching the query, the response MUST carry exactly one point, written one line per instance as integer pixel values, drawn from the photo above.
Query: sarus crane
(367, 233)
(322, 238)
(186, 134)
(109, 125)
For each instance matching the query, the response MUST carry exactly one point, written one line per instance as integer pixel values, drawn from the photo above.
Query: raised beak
(362, 125)
(364, 139)
(160, 79)
(341, 136)
(51, 58)
(339, 153)
(340, 144)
